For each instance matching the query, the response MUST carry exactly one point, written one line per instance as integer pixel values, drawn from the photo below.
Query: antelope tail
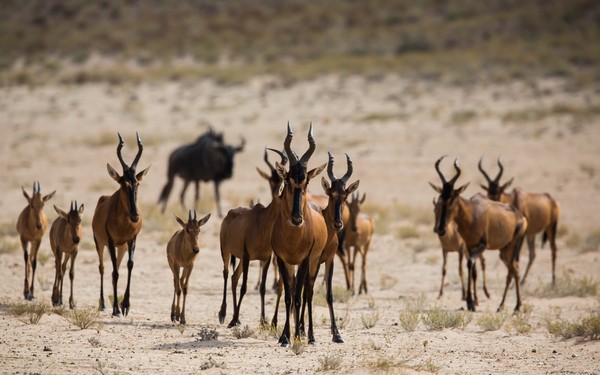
(519, 242)
(551, 229)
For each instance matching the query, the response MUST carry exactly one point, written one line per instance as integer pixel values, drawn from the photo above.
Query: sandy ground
(394, 129)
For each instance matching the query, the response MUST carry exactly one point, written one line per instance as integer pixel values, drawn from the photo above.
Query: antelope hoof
(173, 318)
(234, 323)
(221, 317)
(337, 339)
(182, 321)
(116, 313)
(283, 340)
(311, 341)
(470, 305)
(71, 305)
(500, 308)
(274, 323)
(125, 309)
(101, 305)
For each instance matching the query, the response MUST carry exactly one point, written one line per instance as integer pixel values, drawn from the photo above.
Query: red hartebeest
(116, 224)
(483, 224)
(358, 240)
(541, 211)
(182, 249)
(31, 225)
(298, 235)
(65, 234)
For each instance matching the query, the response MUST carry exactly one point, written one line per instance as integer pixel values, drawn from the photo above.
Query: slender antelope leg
(100, 252)
(311, 277)
(444, 261)
(234, 282)
(26, 294)
(461, 275)
(176, 293)
(125, 305)
(284, 339)
(115, 277)
(301, 283)
(552, 237)
(218, 198)
(329, 277)
(56, 286)
(185, 279)
(265, 270)
(62, 276)
(279, 292)
(485, 289)
(72, 278)
(363, 275)
(223, 310)
(244, 266)
(183, 190)
(35, 246)
(531, 246)
(473, 254)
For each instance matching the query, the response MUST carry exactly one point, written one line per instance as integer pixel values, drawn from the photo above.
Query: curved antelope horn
(119, 148)
(497, 180)
(39, 189)
(286, 145)
(311, 148)
(346, 177)
(330, 167)
(190, 215)
(33, 187)
(451, 182)
(284, 158)
(71, 207)
(489, 180)
(266, 159)
(437, 168)
(139, 154)
(195, 215)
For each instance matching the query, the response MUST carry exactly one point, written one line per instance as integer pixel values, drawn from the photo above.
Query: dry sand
(393, 128)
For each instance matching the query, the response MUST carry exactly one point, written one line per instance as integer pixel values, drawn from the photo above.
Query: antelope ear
(49, 196)
(325, 184)
(436, 188)
(350, 189)
(60, 212)
(315, 172)
(280, 170)
(263, 174)
(204, 220)
(181, 222)
(507, 184)
(458, 191)
(81, 209)
(484, 187)
(112, 173)
(140, 176)
(25, 194)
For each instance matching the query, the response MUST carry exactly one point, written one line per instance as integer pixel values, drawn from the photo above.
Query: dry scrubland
(394, 129)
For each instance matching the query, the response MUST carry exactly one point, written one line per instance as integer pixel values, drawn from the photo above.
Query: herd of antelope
(299, 231)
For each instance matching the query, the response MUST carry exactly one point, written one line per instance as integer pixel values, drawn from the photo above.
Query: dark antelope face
(36, 203)
(129, 181)
(73, 218)
(494, 189)
(354, 207)
(445, 207)
(296, 180)
(191, 229)
(337, 192)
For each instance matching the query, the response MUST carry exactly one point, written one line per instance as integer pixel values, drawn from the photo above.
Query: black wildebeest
(207, 159)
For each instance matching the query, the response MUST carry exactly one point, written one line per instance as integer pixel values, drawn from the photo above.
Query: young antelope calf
(65, 234)
(181, 253)
(358, 236)
(31, 225)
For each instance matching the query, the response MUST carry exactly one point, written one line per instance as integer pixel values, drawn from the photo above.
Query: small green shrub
(29, 312)
(438, 319)
(84, 318)
(490, 321)
(298, 346)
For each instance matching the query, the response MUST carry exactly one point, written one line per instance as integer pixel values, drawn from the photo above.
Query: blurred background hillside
(457, 41)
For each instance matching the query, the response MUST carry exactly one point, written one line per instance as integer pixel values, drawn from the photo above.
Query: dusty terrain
(394, 129)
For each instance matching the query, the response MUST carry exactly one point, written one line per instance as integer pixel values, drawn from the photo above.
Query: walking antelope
(246, 235)
(333, 213)
(116, 224)
(298, 235)
(182, 249)
(31, 225)
(451, 241)
(65, 234)
(541, 211)
(483, 224)
(358, 238)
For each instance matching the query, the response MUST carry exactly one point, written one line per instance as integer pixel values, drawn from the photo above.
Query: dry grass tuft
(298, 346)
(29, 312)
(370, 320)
(330, 363)
(207, 334)
(438, 319)
(490, 321)
(519, 322)
(586, 328)
(567, 286)
(242, 333)
(84, 318)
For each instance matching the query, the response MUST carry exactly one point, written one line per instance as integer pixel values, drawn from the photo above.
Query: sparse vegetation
(586, 328)
(29, 312)
(211, 363)
(407, 231)
(330, 363)
(462, 117)
(489, 321)
(519, 322)
(207, 334)
(437, 319)
(340, 295)
(370, 320)
(567, 286)
(83, 318)
(242, 333)
(95, 342)
(298, 346)
(9, 245)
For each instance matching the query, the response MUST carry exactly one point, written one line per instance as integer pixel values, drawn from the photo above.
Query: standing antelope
(246, 235)
(541, 211)
(358, 238)
(182, 249)
(483, 224)
(116, 224)
(31, 225)
(298, 235)
(451, 241)
(65, 234)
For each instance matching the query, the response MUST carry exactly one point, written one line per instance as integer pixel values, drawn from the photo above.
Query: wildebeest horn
(241, 146)
(482, 171)
(437, 168)
(286, 146)
(346, 177)
(311, 148)
(497, 180)
(119, 148)
(284, 158)
(139, 154)
(330, 167)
